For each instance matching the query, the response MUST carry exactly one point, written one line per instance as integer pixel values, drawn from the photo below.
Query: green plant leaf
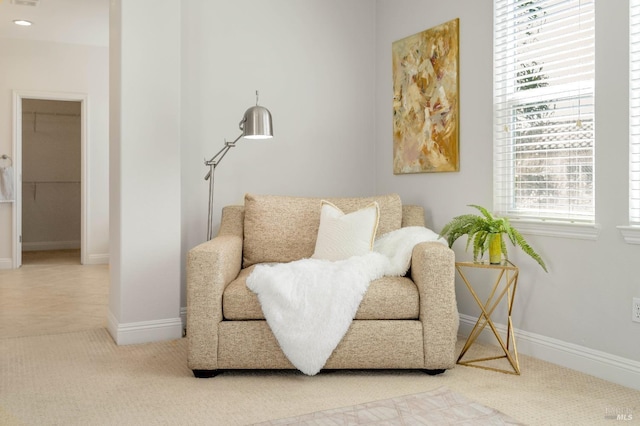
(503, 246)
(484, 211)
(520, 241)
(477, 229)
(458, 226)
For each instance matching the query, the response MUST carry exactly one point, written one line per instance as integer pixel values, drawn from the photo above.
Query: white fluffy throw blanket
(309, 304)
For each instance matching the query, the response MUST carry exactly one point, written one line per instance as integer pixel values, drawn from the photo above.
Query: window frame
(505, 96)
(631, 232)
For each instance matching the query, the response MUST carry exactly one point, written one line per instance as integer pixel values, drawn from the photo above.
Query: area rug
(440, 406)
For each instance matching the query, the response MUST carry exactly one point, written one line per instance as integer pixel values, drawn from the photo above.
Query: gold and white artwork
(425, 101)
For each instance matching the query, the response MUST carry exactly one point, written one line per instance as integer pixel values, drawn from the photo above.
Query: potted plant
(486, 232)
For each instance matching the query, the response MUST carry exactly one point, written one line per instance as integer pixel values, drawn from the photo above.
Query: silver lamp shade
(256, 123)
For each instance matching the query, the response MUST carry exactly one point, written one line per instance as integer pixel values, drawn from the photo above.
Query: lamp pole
(213, 163)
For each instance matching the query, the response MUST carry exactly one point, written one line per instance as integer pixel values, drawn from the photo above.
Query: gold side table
(508, 276)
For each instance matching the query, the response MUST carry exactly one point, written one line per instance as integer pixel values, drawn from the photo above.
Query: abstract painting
(425, 101)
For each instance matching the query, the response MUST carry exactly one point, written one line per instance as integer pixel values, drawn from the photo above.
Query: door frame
(18, 96)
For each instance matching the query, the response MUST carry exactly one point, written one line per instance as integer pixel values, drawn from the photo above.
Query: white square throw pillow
(341, 236)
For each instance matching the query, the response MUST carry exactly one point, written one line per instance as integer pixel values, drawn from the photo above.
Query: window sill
(548, 228)
(631, 234)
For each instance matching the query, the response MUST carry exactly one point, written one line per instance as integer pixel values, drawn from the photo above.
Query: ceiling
(63, 21)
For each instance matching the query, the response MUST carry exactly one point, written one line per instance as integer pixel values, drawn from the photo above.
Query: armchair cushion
(390, 298)
(284, 229)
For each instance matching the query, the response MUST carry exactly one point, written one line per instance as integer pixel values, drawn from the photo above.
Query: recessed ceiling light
(22, 22)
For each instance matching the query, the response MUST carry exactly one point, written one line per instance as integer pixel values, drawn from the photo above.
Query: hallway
(52, 293)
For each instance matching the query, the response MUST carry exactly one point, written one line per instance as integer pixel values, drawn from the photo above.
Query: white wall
(313, 62)
(584, 302)
(144, 299)
(56, 67)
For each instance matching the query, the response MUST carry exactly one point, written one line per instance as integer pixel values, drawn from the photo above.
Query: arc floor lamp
(255, 124)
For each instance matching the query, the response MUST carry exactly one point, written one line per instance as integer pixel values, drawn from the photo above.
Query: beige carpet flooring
(70, 372)
(83, 378)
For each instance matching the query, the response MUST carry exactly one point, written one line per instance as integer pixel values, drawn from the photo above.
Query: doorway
(50, 189)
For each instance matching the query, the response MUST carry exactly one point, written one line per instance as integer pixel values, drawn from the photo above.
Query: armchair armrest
(211, 266)
(433, 271)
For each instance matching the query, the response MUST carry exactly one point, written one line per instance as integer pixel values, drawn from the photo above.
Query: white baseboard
(97, 259)
(6, 263)
(144, 331)
(50, 245)
(623, 371)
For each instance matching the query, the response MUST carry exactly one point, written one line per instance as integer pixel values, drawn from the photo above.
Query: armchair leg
(205, 374)
(434, 372)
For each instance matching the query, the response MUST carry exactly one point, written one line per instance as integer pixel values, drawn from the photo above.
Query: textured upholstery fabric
(283, 229)
(367, 344)
(432, 272)
(387, 298)
(412, 216)
(422, 335)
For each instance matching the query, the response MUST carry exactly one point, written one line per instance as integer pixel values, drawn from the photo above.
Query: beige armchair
(408, 322)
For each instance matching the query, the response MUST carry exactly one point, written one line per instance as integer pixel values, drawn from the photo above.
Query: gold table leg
(510, 274)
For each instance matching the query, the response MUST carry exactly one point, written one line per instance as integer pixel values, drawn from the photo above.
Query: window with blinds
(544, 109)
(634, 110)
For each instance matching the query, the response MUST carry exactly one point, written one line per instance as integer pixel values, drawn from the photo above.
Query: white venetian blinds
(634, 110)
(544, 109)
